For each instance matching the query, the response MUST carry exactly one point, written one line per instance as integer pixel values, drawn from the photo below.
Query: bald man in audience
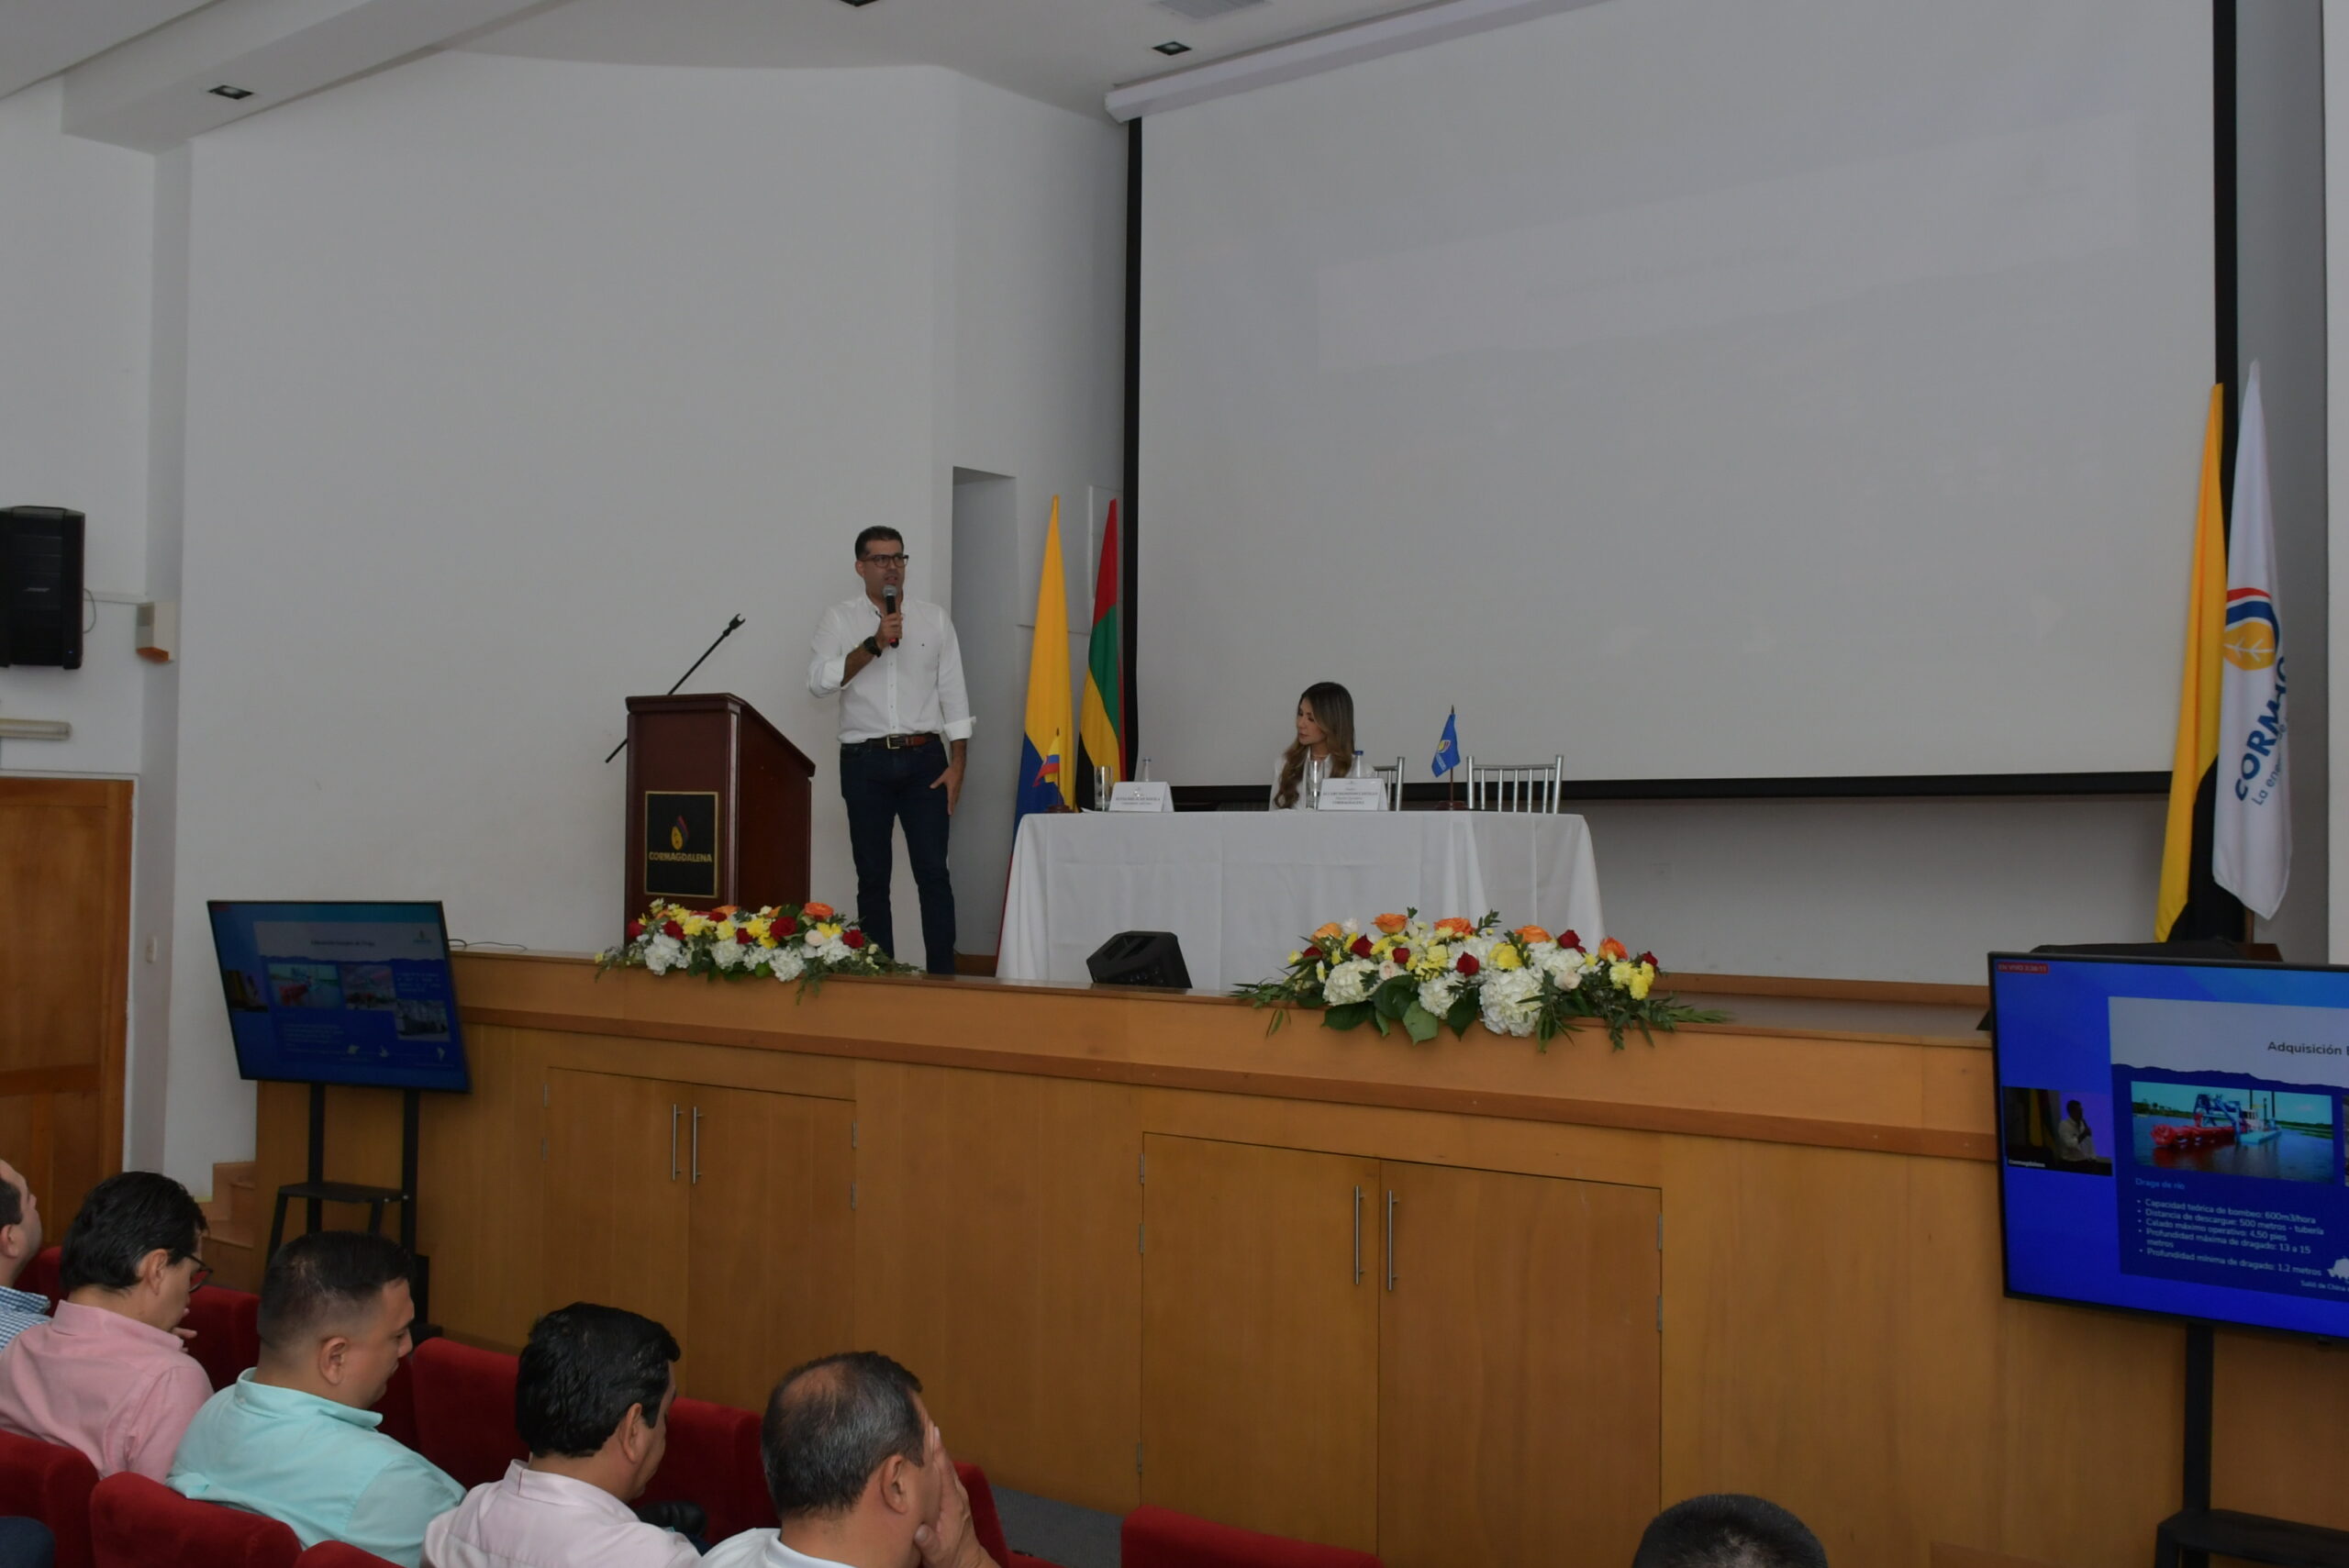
(107, 1374)
(19, 1239)
(592, 1400)
(294, 1438)
(859, 1474)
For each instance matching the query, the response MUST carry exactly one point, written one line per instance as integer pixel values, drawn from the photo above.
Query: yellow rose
(1438, 956)
(695, 925)
(1641, 980)
(827, 932)
(759, 927)
(1621, 974)
(1505, 957)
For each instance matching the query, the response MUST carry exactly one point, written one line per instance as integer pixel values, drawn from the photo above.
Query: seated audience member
(860, 1476)
(19, 1239)
(1728, 1530)
(107, 1374)
(293, 1438)
(591, 1404)
(26, 1543)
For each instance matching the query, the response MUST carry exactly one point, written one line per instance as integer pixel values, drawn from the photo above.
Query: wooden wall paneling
(1260, 1338)
(776, 1071)
(1519, 1387)
(995, 1226)
(486, 1266)
(772, 1256)
(2270, 1394)
(617, 1203)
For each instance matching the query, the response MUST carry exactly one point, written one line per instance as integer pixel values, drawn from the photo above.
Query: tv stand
(317, 1191)
(2198, 1532)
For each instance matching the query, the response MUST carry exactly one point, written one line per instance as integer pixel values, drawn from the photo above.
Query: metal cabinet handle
(696, 1182)
(1357, 1236)
(672, 1143)
(1390, 1239)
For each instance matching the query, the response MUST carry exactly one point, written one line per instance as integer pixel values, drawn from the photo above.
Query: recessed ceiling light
(225, 91)
(1172, 46)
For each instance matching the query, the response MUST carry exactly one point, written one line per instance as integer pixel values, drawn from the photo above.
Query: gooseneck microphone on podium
(889, 607)
(731, 627)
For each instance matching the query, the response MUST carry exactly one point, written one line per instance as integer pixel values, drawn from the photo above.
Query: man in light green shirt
(293, 1438)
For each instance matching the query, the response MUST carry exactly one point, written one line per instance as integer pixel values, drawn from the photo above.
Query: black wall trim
(1129, 590)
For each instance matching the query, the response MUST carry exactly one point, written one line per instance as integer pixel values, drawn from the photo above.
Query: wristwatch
(872, 646)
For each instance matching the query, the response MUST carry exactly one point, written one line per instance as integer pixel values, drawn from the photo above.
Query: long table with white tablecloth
(1239, 887)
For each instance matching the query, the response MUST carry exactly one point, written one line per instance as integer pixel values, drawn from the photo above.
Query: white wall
(509, 380)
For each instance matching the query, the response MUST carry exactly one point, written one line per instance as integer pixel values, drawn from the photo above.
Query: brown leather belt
(890, 742)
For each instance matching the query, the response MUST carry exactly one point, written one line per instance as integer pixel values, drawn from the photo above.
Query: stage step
(232, 1218)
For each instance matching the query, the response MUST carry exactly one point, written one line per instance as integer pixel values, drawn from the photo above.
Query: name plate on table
(1132, 796)
(1351, 795)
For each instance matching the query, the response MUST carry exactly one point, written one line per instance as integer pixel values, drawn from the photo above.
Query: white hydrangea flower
(836, 951)
(1511, 1000)
(1348, 984)
(1388, 969)
(663, 953)
(730, 954)
(1564, 969)
(1351, 928)
(1482, 947)
(1438, 994)
(786, 962)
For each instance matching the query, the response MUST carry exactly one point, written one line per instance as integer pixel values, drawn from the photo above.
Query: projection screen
(1700, 388)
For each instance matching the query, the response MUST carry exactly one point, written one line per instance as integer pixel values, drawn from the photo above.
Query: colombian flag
(2185, 846)
(1101, 723)
(1047, 755)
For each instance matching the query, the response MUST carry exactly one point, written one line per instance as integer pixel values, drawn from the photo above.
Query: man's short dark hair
(830, 1424)
(879, 531)
(584, 1367)
(325, 1278)
(124, 1219)
(12, 1205)
(1728, 1530)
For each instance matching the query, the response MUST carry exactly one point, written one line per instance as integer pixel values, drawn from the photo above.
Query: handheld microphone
(889, 606)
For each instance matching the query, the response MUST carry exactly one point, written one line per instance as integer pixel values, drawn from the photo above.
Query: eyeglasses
(887, 560)
(196, 1280)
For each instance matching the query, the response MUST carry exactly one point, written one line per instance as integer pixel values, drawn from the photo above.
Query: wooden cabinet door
(773, 1245)
(617, 1196)
(1260, 1338)
(1520, 1402)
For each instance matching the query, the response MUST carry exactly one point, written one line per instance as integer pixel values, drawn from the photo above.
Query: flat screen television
(336, 993)
(2170, 1136)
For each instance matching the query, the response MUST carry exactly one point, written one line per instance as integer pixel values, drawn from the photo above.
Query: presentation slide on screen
(2173, 1138)
(342, 993)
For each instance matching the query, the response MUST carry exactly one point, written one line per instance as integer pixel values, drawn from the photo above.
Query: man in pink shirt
(592, 1401)
(107, 1374)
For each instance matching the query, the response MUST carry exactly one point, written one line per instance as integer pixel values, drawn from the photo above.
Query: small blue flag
(1447, 754)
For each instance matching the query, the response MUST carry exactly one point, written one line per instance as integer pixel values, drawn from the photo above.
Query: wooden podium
(716, 806)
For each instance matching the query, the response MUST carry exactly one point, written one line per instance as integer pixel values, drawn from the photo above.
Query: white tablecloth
(1241, 888)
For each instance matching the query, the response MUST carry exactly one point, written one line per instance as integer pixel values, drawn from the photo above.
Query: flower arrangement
(1458, 972)
(802, 942)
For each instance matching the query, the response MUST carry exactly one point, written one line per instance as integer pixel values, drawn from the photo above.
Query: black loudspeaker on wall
(40, 586)
(1141, 958)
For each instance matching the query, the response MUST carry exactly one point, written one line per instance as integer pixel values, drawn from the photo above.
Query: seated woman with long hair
(1325, 737)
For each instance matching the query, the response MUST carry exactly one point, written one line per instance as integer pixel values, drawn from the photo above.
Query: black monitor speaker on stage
(40, 586)
(1139, 957)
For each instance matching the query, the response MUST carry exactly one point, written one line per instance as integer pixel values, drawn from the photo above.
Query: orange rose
(1390, 923)
(818, 911)
(1456, 927)
(1529, 935)
(1610, 948)
(725, 909)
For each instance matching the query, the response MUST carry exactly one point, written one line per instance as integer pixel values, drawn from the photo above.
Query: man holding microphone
(904, 727)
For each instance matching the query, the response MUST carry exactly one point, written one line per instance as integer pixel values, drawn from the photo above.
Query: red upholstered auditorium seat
(135, 1522)
(1161, 1538)
(397, 1406)
(713, 1460)
(465, 1409)
(38, 1276)
(341, 1554)
(987, 1525)
(228, 1333)
(52, 1484)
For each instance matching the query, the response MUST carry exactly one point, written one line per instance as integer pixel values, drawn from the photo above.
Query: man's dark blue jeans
(883, 788)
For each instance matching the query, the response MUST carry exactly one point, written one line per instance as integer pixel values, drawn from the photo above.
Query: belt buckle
(893, 742)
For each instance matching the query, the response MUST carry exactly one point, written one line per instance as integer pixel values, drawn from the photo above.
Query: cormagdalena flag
(1101, 721)
(2251, 830)
(1447, 752)
(1046, 753)
(2198, 695)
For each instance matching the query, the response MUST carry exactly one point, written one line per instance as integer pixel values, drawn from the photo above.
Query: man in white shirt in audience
(860, 1476)
(904, 727)
(294, 1438)
(592, 1400)
(19, 1239)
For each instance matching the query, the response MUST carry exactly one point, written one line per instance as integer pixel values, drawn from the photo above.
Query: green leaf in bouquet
(1396, 998)
(1462, 1013)
(1419, 1023)
(1350, 1015)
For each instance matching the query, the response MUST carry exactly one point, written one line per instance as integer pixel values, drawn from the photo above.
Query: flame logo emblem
(677, 835)
(2252, 630)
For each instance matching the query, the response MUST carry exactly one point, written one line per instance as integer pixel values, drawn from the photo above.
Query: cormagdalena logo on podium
(681, 843)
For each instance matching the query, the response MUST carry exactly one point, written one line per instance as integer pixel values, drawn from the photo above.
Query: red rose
(784, 927)
(1571, 941)
(1402, 955)
(742, 936)
(1468, 964)
(1647, 958)
(1361, 948)
(852, 939)
(672, 930)
(635, 929)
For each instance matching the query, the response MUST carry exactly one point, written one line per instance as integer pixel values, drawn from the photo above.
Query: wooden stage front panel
(1741, 1258)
